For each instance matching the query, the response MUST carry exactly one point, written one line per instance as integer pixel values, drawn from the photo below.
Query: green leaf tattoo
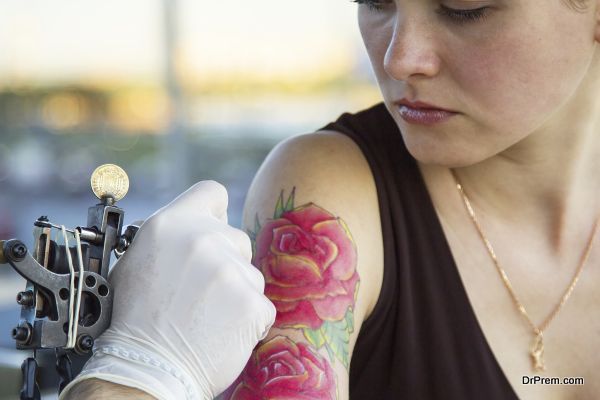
(315, 338)
(335, 336)
(282, 207)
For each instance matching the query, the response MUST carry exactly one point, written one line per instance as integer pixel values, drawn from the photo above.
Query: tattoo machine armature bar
(67, 301)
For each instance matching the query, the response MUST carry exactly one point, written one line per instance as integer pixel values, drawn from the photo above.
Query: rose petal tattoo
(308, 258)
(282, 369)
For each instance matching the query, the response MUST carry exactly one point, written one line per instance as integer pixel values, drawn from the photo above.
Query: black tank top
(422, 340)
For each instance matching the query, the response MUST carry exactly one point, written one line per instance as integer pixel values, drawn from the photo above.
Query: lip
(422, 113)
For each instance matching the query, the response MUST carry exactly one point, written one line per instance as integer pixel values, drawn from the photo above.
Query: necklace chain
(537, 348)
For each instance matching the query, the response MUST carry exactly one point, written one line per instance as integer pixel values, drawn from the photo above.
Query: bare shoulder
(325, 153)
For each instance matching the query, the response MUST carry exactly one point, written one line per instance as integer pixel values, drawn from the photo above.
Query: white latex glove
(188, 307)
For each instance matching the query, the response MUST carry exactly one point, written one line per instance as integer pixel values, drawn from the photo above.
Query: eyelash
(458, 16)
(464, 16)
(371, 4)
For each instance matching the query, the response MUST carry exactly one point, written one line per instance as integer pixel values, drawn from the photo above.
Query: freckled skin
(508, 75)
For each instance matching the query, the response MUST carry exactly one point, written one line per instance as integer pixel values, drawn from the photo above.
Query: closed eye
(463, 16)
(459, 16)
(373, 5)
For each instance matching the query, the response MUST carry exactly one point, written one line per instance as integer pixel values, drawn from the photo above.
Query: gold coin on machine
(110, 180)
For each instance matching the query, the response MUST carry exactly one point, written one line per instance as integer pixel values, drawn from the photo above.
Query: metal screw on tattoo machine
(67, 301)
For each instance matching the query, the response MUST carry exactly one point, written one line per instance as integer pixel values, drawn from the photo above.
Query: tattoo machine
(67, 301)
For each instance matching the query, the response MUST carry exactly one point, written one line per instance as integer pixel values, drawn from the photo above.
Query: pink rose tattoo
(282, 369)
(309, 262)
(308, 259)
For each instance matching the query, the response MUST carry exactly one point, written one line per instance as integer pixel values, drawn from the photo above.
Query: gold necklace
(537, 348)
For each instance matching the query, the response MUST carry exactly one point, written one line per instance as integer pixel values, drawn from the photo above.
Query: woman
(443, 241)
(514, 87)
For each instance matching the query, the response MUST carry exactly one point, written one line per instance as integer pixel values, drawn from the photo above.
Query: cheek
(517, 82)
(376, 31)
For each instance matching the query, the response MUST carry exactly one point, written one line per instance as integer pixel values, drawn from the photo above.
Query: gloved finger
(254, 277)
(241, 241)
(237, 239)
(260, 314)
(269, 314)
(233, 243)
(205, 196)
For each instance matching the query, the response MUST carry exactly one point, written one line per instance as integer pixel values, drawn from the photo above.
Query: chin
(442, 154)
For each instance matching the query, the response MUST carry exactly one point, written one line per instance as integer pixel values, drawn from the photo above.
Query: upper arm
(313, 217)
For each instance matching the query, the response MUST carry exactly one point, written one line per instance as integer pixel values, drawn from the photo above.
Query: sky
(45, 41)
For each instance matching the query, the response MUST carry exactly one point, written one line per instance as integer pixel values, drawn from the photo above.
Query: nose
(411, 52)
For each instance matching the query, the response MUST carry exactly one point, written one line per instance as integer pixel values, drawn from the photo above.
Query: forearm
(97, 389)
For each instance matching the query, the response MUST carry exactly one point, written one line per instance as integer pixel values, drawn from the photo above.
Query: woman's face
(507, 70)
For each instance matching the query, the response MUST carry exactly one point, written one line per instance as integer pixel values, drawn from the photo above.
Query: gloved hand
(188, 306)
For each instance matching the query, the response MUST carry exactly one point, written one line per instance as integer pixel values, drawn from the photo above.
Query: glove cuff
(137, 369)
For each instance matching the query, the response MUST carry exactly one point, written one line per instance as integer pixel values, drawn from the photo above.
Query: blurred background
(173, 91)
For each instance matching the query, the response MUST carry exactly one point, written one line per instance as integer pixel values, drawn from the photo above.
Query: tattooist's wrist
(133, 367)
